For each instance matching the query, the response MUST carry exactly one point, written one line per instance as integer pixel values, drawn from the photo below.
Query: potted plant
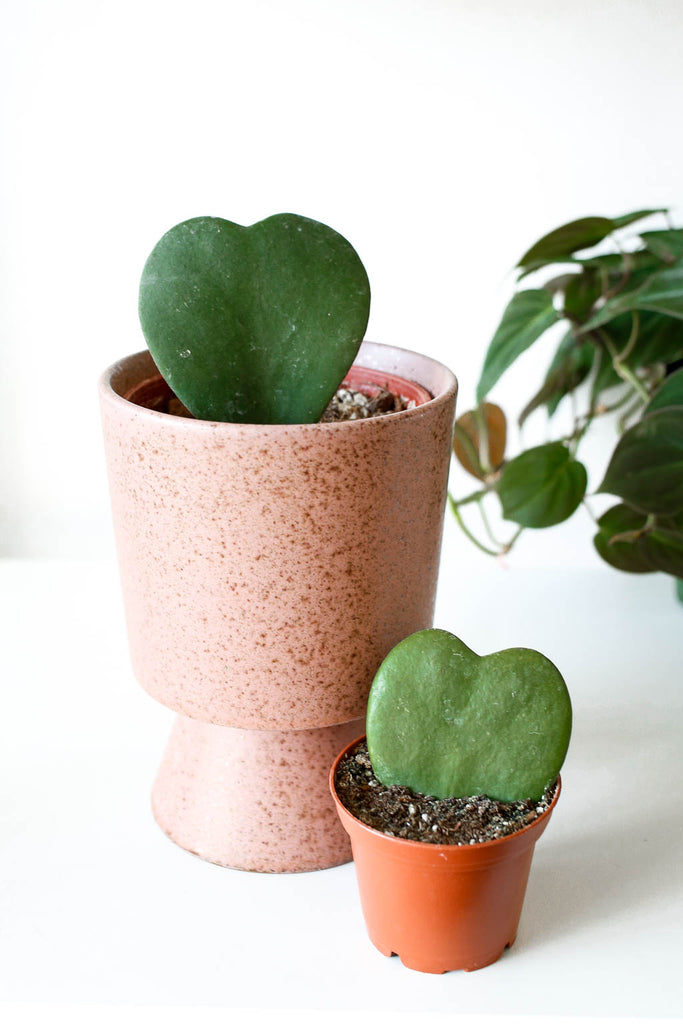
(619, 302)
(446, 799)
(268, 561)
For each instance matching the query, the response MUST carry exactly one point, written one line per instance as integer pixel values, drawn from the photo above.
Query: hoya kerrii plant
(254, 324)
(618, 296)
(445, 722)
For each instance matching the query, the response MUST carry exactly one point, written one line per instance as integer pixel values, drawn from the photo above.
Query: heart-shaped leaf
(254, 324)
(568, 239)
(666, 245)
(467, 439)
(617, 540)
(663, 550)
(527, 316)
(646, 468)
(542, 487)
(570, 366)
(445, 722)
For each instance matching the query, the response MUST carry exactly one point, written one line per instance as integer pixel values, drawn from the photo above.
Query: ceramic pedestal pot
(441, 907)
(266, 572)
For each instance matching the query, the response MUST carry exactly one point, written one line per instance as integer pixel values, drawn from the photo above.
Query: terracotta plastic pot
(267, 570)
(440, 907)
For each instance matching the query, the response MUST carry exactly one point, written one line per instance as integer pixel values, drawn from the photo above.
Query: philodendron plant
(619, 298)
(447, 723)
(254, 324)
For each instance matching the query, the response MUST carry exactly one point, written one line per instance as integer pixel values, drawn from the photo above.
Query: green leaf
(254, 324)
(568, 239)
(663, 293)
(570, 366)
(528, 315)
(542, 487)
(531, 268)
(605, 376)
(630, 218)
(660, 338)
(621, 554)
(670, 392)
(581, 294)
(666, 245)
(445, 722)
(646, 468)
(663, 549)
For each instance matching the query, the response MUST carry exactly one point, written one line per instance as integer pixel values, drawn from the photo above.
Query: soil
(347, 404)
(397, 811)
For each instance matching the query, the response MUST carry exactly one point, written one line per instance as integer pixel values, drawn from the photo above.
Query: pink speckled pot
(267, 570)
(277, 818)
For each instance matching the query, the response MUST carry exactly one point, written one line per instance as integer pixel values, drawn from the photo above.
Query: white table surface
(99, 911)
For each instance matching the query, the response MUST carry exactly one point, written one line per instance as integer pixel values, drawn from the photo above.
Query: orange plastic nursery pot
(440, 907)
(260, 568)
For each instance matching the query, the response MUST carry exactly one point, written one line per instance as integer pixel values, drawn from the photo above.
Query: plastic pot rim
(435, 849)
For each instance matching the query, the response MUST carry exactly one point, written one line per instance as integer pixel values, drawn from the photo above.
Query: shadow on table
(625, 846)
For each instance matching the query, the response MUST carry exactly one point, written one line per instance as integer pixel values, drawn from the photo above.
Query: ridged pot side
(267, 570)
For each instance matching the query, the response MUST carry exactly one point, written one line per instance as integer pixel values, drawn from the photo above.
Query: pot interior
(155, 394)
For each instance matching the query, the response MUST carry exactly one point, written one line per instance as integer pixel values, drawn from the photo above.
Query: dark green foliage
(622, 307)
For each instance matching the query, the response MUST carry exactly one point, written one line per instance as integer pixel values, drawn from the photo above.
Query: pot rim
(437, 848)
(368, 348)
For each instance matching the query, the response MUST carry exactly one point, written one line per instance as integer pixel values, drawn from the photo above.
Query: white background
(441, 137)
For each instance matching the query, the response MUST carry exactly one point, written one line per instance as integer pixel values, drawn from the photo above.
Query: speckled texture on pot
(253, 799)
(267, 570)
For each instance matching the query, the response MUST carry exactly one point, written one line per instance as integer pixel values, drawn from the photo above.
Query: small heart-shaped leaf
(254, 324)
(468, 440)
(447, 723)
(542, 487)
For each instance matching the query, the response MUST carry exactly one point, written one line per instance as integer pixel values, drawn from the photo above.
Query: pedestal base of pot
(251, 799)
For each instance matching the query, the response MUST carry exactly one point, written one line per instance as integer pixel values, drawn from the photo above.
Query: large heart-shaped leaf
(254, 324)
(646, 468)
(542, 487)
(448, 723)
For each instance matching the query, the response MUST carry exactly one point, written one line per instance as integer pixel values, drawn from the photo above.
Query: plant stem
(623, 371)
(474, 496)
(456, 512)
(487, 524)
(633, 337)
